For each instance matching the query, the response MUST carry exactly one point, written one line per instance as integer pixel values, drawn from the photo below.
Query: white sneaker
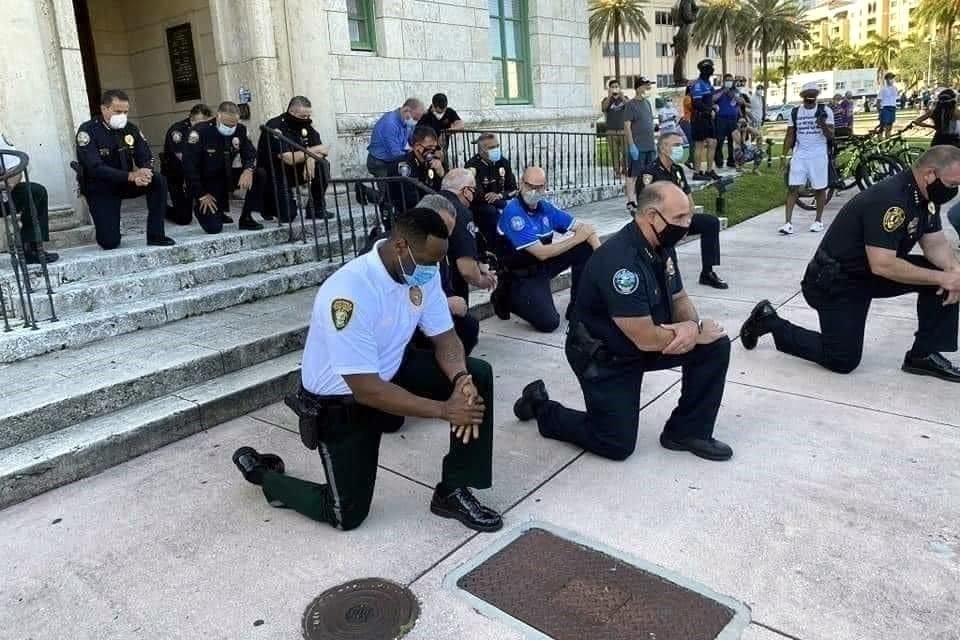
(816, 227)
(786, 229)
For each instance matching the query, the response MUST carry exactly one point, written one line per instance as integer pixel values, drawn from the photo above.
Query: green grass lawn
(748, 196)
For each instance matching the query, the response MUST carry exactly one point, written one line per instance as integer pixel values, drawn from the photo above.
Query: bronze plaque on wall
(183, 63)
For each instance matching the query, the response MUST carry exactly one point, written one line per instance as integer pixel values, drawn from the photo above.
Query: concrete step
(53, 391)
(91, 446)
(71, 332)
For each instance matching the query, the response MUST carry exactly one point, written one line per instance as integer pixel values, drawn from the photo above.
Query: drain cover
(367, 609)
(569, 591)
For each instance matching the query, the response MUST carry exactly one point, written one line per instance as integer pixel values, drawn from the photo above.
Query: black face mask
(671, 234)
(298, 122)
(706, 72)
(809, 102)
(939, 193)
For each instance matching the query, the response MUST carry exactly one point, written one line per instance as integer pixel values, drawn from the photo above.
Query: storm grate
(567, 590)
(367, 609)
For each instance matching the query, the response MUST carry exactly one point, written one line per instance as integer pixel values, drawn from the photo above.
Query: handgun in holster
(583, 350)
(321, 418)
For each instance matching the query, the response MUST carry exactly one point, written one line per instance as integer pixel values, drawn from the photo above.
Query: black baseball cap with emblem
(640, 81)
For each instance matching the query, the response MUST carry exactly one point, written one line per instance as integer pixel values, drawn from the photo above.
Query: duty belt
(318, 414)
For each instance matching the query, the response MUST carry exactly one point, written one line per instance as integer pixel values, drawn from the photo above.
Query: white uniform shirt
(362, 322)
(811, 143)
(887, 96)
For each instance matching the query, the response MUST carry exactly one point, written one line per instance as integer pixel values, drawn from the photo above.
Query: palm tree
(759, 26)
(942, 15)
(613, 18)
(881, 52)
(715, 25)
(790, 33)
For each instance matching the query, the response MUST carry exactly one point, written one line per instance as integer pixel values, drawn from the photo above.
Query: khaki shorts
(616, 148)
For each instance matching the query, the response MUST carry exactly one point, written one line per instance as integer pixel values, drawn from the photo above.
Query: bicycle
(898, 147)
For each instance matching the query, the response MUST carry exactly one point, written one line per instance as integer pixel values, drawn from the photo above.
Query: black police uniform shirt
(626, 278)
(656, 172)
(462, 244)
(410, 167)
(440, 124)
(208, 158)
(890, 215)
(492, 177)
(173, 144)
(109, 155)
(269, 148)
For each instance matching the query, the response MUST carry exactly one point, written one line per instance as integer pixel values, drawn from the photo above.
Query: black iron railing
(17, 176)
(572, 160)
(352, 212)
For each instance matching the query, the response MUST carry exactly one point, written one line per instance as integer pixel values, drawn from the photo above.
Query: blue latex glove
(634, 152)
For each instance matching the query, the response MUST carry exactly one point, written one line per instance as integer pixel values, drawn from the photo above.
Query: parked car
(779, 112)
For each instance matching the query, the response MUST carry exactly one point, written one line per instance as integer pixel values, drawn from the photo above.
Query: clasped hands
(464, 410)
(688, 335)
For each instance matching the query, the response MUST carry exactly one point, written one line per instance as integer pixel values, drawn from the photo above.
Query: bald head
(661, 204)
(534, 176)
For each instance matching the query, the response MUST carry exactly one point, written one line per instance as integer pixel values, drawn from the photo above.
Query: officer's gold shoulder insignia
(893, 219)
(341, 310)
(128, 140)
(416, 296)
(83, 138)
(176, 136)
(193, 138)
(670, 268)
(503, 172)
(647, 179)
(932, 208)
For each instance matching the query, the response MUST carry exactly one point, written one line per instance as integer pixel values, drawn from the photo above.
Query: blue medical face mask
(495, 154)
(678, 153)
(225, 130)
(422, 273)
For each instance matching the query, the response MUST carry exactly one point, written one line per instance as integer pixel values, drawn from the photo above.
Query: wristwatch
(699, 326)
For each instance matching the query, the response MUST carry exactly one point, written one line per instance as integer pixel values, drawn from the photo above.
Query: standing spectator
(686, 117)
(390, 140)
(638, 131)
(945, 118)
(669, 119)
(756, 106)
(887, 103)
(613, 107)
(808, 133)
(704, 126)
(441, 118)
(843, 115)
(728, 110)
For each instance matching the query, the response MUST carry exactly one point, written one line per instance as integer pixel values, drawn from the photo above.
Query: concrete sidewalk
(837, 519)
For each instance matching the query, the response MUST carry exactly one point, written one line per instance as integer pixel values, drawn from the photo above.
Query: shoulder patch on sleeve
(893, 219)
(625, 282)
(517, 223)
(193, 138)
(341, 311)
(83, 138)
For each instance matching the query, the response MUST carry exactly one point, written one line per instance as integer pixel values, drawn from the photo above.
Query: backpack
(821, 112)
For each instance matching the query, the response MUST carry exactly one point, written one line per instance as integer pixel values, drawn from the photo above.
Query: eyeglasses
(536, 187)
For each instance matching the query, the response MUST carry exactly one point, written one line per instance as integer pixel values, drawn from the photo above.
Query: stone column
(43, 98)
(246, 50)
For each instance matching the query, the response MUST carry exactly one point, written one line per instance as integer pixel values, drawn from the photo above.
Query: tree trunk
(948, 63)
(723, 48)
(786, 71)
(616, 53)
(766, 80)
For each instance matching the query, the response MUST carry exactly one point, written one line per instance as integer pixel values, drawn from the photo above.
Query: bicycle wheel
(873, 169)
(845, 161)
(807, 199)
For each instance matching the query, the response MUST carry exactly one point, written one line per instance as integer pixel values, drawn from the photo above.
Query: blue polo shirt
(525, 228)
(702, 95)
(726, 102)
(388, 142)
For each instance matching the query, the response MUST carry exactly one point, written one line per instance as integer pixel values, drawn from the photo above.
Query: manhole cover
(569, 591)
(371, 609)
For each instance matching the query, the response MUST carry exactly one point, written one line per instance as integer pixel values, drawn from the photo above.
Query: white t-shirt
(756, 105)
(362, 321)
(888, 96)
(669, 120)
(811, 143)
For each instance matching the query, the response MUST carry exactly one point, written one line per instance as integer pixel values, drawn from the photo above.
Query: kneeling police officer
(208, 168)
(865, 255)
(496, 184)
(424, 162)
(632, 316)
(360, 377)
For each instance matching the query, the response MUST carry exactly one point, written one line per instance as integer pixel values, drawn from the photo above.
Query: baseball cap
(809, 86)
(641, 80)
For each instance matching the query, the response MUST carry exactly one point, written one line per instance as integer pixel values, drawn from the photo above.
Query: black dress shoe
(530, 401)
(713, 175)
(162, 241)
(225, 219)
(707, 448)
(711, 279)
(461, 505)
(252, 464)
(34, 257)
(934, 365)
(756, 324)
(249, 224)
(500, 299)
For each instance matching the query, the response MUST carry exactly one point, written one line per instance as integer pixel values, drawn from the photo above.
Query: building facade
(503, 63)
(860, 82)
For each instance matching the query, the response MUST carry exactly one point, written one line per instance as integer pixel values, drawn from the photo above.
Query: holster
(826, 274)
(322, 418)
(584, 352)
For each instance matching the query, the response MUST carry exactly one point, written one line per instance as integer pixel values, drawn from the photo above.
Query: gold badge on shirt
(128, 140)
(303, 133)
(503, 172)
(670, 268)
(430, 174)
(893, 219)
(932, 208)
(416, 296)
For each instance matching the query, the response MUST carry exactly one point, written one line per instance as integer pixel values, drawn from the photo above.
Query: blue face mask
(422, 273)
(225, 130)
(495, 154)
(678, 154)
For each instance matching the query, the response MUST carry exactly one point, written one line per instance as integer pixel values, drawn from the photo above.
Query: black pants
(104, 202)
(212, 222)
(611, 393)
(708, 228)
(530, 296)
(180, 210)
(843, 318)
(350, 451)
(725, 128)
(272, 203)
(466, 327)
(21, 195)
(486, 216)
